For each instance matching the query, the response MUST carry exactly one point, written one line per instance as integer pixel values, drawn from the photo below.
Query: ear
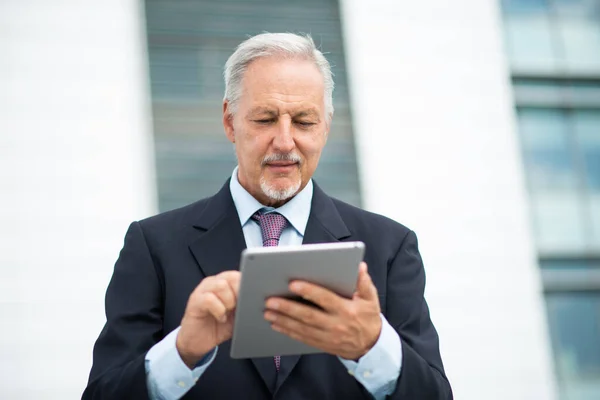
(228, 122)
(327, 126)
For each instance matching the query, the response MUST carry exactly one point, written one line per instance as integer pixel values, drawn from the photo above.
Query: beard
(280, 194)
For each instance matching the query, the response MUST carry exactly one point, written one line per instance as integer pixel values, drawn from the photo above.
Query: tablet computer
(267, 272)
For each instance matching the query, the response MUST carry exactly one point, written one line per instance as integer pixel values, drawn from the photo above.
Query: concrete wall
(438, 152)
(76, 166)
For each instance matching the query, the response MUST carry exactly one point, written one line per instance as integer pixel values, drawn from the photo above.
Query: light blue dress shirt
(168, 378)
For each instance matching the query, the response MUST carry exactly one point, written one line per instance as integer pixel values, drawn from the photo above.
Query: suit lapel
(325, 225)
(218, 249)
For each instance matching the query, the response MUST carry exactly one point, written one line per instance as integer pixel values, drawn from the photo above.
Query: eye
(264, 121)
(305, 124)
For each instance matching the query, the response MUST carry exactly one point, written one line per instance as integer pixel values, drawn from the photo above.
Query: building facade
(476, 123)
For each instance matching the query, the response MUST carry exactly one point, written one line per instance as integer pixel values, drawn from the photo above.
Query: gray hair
(288, 45)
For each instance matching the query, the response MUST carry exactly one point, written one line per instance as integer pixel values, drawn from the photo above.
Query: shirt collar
(296, 211)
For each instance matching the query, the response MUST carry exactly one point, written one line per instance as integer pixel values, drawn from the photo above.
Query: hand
(348, 328)
(208, 318)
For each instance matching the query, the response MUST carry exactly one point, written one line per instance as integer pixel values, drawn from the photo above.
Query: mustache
(291, 157)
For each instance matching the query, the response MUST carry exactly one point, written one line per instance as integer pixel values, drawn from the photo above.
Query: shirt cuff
(167, 375)
(378, 370)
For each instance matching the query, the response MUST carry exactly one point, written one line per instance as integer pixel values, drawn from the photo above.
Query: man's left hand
(348, 328)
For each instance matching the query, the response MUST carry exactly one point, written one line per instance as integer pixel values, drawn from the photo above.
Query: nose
(283, 142)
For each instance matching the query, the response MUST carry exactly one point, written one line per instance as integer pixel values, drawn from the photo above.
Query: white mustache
(282, 157)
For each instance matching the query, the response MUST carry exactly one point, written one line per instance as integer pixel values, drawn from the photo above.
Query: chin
(280, 192)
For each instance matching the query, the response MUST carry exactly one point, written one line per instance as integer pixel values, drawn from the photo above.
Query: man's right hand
(208, 318)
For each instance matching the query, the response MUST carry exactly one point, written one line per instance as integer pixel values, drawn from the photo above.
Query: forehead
(278, 82)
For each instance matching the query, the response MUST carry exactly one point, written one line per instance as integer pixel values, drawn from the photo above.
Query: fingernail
(296, 286)
(270, 317)
(273, 304)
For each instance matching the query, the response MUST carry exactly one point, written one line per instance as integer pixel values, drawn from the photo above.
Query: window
(188, 44)
(553, 36)
(561, 152)
(554, 52)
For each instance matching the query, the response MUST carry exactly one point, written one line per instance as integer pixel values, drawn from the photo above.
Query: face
(279, 128)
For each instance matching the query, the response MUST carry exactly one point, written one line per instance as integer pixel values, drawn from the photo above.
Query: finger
(304, 313)
(322, 297)
(320, 342)
(296, 329)
(211, 303)
(226, 294)
(234, 278)
(221, 288)
(364, 286)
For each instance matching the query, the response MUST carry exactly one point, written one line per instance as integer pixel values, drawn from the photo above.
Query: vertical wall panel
(438, 151)
(76, 167)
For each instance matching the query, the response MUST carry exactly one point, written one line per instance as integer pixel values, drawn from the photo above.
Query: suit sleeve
(133, 324)
(422, 375)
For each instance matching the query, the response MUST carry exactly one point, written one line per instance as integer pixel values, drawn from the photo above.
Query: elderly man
(171, 299)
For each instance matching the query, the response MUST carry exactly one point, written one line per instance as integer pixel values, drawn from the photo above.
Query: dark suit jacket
(166, 256)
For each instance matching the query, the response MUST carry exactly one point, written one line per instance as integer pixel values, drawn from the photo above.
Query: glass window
(581, 41)
(188, 44)
(574, 320)
(578, 30)
(544, 136)
(587, 130)
(553, 36)
(577, 8)
(558, 213)
(528, 33)
(554, 49)
(525, 6)
(530, 44)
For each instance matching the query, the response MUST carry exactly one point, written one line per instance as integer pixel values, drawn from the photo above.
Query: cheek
(311, 149)
(252, 149)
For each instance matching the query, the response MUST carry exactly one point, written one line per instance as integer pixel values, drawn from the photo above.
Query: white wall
(76, 167)
(438, 151)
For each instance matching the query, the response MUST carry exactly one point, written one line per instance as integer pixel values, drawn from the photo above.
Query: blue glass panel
(587, 130)
(578, 8)
(549, 164)
(581, 44)
(557, 208)
(530, 45)
(578, 29)
(574, 320)
(525, 6)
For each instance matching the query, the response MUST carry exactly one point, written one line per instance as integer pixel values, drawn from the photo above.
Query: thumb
(365, 288)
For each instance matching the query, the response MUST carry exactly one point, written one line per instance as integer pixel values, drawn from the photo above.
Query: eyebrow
(307, 113)
(264, 110)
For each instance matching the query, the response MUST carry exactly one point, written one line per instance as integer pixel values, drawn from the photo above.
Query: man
(171, 299)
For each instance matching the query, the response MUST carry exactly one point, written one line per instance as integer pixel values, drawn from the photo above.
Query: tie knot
(271, 226)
